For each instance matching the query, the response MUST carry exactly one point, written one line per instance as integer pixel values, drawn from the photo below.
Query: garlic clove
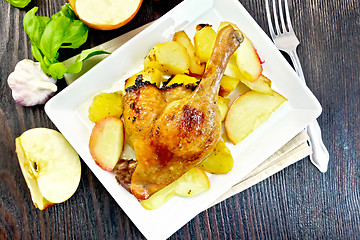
(30, 85)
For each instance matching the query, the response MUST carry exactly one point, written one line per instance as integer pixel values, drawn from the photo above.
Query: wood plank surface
(296, 203)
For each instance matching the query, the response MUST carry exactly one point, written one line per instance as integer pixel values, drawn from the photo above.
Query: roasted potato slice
(219, 161)
(104, 105)
(204, 40)
(196, 67)
(227, 85)
(153, 75)
(169, 57)
(183, 79)
(223, 107)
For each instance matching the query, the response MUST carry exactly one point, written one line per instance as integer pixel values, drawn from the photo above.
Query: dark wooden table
(298, 202)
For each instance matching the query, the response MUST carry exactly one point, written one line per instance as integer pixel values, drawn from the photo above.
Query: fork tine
(276, 18)
(288, 16)
(268, 15)
(282, 20)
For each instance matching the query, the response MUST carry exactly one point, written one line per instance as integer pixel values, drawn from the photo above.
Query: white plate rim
(61, 114)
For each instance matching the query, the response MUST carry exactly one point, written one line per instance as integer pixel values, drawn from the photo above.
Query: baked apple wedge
(247, 59)
(193, 182)
(248, 112)
(107, 142)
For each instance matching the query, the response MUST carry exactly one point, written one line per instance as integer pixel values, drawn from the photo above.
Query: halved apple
(107, 142)
(105, 14)
(247, 59)
(50, 166)
(248, 112)
(193, 182)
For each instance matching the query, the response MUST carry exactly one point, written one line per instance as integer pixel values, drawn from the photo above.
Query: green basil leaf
(85, 54)
(36, 53)
(34, 26)
(44, 67)
(88, 53)
(74, 68)
(19, 3)
(53, 36)
(57, 70)
(66, 11)
(76, 35)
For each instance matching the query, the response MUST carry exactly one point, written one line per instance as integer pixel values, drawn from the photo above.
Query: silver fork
(285, 39)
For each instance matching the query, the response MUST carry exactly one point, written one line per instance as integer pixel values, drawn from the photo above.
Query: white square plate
(68, 110)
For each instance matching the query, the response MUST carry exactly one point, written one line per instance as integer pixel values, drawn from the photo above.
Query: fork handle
(320, 155)
(297, 65)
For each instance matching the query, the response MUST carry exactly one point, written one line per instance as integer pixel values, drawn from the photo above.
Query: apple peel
(107, 142)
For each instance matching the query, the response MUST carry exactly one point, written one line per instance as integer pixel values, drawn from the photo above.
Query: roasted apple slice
(227, 85)
(248, 61)
(233, 71)
(107, 142)
(262, 84)
(248, 112)
(193, 182)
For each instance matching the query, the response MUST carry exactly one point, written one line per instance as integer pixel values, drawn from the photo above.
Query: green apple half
(51, 167)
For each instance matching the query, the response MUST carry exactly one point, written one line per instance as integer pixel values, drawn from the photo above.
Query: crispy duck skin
(174, 129)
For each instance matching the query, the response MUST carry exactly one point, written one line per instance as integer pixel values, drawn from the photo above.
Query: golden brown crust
(173, 129)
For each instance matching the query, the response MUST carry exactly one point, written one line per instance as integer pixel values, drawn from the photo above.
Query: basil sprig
(48, 35)
(19, 3)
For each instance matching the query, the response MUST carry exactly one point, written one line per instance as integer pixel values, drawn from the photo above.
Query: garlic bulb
(30, 85)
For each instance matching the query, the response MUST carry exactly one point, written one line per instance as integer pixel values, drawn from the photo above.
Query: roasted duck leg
(174, 129)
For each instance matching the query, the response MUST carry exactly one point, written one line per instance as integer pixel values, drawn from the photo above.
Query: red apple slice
(107, 142)
(247, 59)
(248, 112)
